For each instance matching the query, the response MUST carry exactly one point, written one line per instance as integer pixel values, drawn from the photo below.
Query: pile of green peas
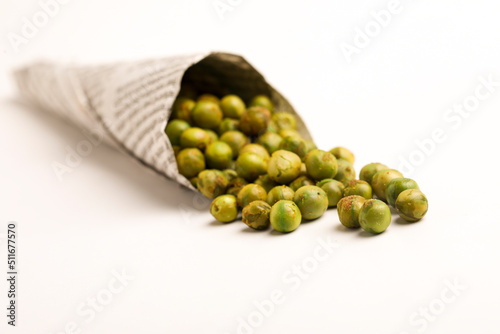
(249, 157)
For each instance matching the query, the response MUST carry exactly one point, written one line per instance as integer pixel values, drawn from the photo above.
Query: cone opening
(221, 74)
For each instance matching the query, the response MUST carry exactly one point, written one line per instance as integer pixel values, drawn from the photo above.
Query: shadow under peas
(364, 234)
(247, 229)
(342, 228)
(401, 221)
(215, 222)
(164, 192)
(275, 233)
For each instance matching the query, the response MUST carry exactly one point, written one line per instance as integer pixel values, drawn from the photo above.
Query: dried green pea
(358, 187)
(195, 138)
(334, 190)
(312, 201)
(256, 149)
(284, 166)
(219, 155)
(345, 172)
(212, 183)
(249, 166)
(190, 162)
(182, 109)
(382, 179)
(343, 153)
(397, 186)
(256, 215)
(206, 114)
(224, 208)
(279, 193)
(266, 182)
(300, 182)
(208, 98)
(232, 106)
(262, 101)
(291, 143)
(228, 124)
(271, 141)
(236, 140)
(284, 121)
(367, 172)
(285, 216)
(255, 121)
(249, 193)
(374, 216)
(174, 130)
(234, 186)
(305, 147)
(348, 209)
(412, 205)
(321, 165)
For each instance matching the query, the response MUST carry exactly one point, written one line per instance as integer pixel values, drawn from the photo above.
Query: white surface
(192, 275)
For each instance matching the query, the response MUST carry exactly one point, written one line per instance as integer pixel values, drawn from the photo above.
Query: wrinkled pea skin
(256, 215)
(212, 183)
(284, 166)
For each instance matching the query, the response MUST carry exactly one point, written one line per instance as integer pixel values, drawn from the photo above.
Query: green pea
(374, 216)
(174, 130)
(285, 216)
(224, 208)
(256, 215)
(312, 201)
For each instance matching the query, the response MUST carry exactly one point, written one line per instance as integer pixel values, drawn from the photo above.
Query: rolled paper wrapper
(127, 104)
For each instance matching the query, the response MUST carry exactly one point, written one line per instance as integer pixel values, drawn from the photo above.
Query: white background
(193, 275)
